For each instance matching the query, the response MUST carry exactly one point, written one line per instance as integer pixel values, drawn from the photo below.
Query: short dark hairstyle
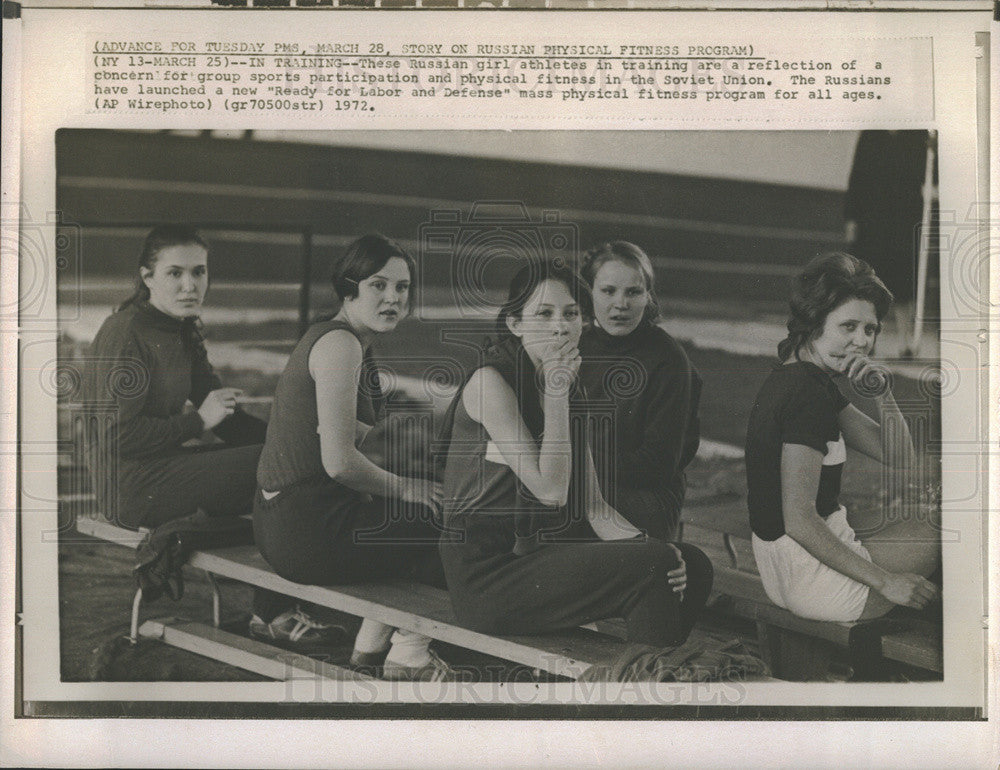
(826, 283)
(529, 277)
(159, 238)
(365, 257)
(631, 255)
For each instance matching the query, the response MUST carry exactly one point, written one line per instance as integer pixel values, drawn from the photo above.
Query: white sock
(409, 648)
(372, 636)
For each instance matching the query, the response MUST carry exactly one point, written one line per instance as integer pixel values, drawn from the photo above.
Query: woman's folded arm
(544, 470)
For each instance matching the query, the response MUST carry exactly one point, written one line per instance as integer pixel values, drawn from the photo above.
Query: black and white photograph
(632, 407)
(554, 388)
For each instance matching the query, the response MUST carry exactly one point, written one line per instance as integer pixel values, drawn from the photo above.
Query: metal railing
(217, 230)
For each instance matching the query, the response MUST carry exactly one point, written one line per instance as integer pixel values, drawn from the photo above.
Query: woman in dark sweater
(325, 513)
(642, 390)
(809, 558)
(148, 360)
(532, 546)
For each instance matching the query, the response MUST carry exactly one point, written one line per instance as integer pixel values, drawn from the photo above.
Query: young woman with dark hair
(531, 545)
(324, 513)
(809, 558)
(148, 359)
(645, 388)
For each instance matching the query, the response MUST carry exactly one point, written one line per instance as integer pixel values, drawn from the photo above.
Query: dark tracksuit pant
(318, 532)
(220, 479)
(564, 585)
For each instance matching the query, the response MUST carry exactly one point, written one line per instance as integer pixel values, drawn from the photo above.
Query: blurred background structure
(725, 216)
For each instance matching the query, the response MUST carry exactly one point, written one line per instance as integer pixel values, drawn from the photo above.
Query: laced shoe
(296, 630)
(368, 663)
(436, 670)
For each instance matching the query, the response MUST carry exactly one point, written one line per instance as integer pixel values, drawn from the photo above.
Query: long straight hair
(159, 238)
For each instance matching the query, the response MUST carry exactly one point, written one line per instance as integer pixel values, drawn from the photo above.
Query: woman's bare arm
(861, 432)
(361, 430)
(544, 470)
(335, 365)
(800, 472)
(887, 440)
(606, 522)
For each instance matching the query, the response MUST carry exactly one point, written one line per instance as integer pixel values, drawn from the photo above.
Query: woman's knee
(915, 555)
(699, 566)
(656, 556)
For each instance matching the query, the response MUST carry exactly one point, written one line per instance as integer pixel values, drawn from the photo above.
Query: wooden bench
(797, 648)
(412, 606)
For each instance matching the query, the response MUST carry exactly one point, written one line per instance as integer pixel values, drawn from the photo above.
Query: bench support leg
(133, 635)
(793, 656)
(216, 600)
(865, 647)
(767, 641)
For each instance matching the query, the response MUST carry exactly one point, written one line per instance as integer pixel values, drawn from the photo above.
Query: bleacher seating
(412, 606)
(794, 647)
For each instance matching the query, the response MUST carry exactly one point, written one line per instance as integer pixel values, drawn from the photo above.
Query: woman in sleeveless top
(809, 558)
(645, 388)
(324, 513)
(531, 545)
(148, 359)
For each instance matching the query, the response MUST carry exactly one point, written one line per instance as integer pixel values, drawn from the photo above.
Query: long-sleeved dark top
(144, 365)
(643, 394)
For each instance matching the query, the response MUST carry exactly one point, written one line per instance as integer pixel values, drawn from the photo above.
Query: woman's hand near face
(894, 447)
(218, 405)
(560, 365)
(865, 373)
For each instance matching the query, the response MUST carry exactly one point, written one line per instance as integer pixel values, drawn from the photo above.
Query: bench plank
(412, 606)
(422, 609)
(722, 517)
(838, 633)
(105, 530)
(239, 651)
(428, 610)
(920, 647)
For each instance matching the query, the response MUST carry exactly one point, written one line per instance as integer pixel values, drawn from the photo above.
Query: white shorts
(796, 580)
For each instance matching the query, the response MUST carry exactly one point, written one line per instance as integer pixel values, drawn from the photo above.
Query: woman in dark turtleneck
(147, 361)
(642, 390)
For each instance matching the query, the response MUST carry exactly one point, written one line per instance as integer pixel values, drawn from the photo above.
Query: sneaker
(296, 630)
(368, 663)
(436, 670)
